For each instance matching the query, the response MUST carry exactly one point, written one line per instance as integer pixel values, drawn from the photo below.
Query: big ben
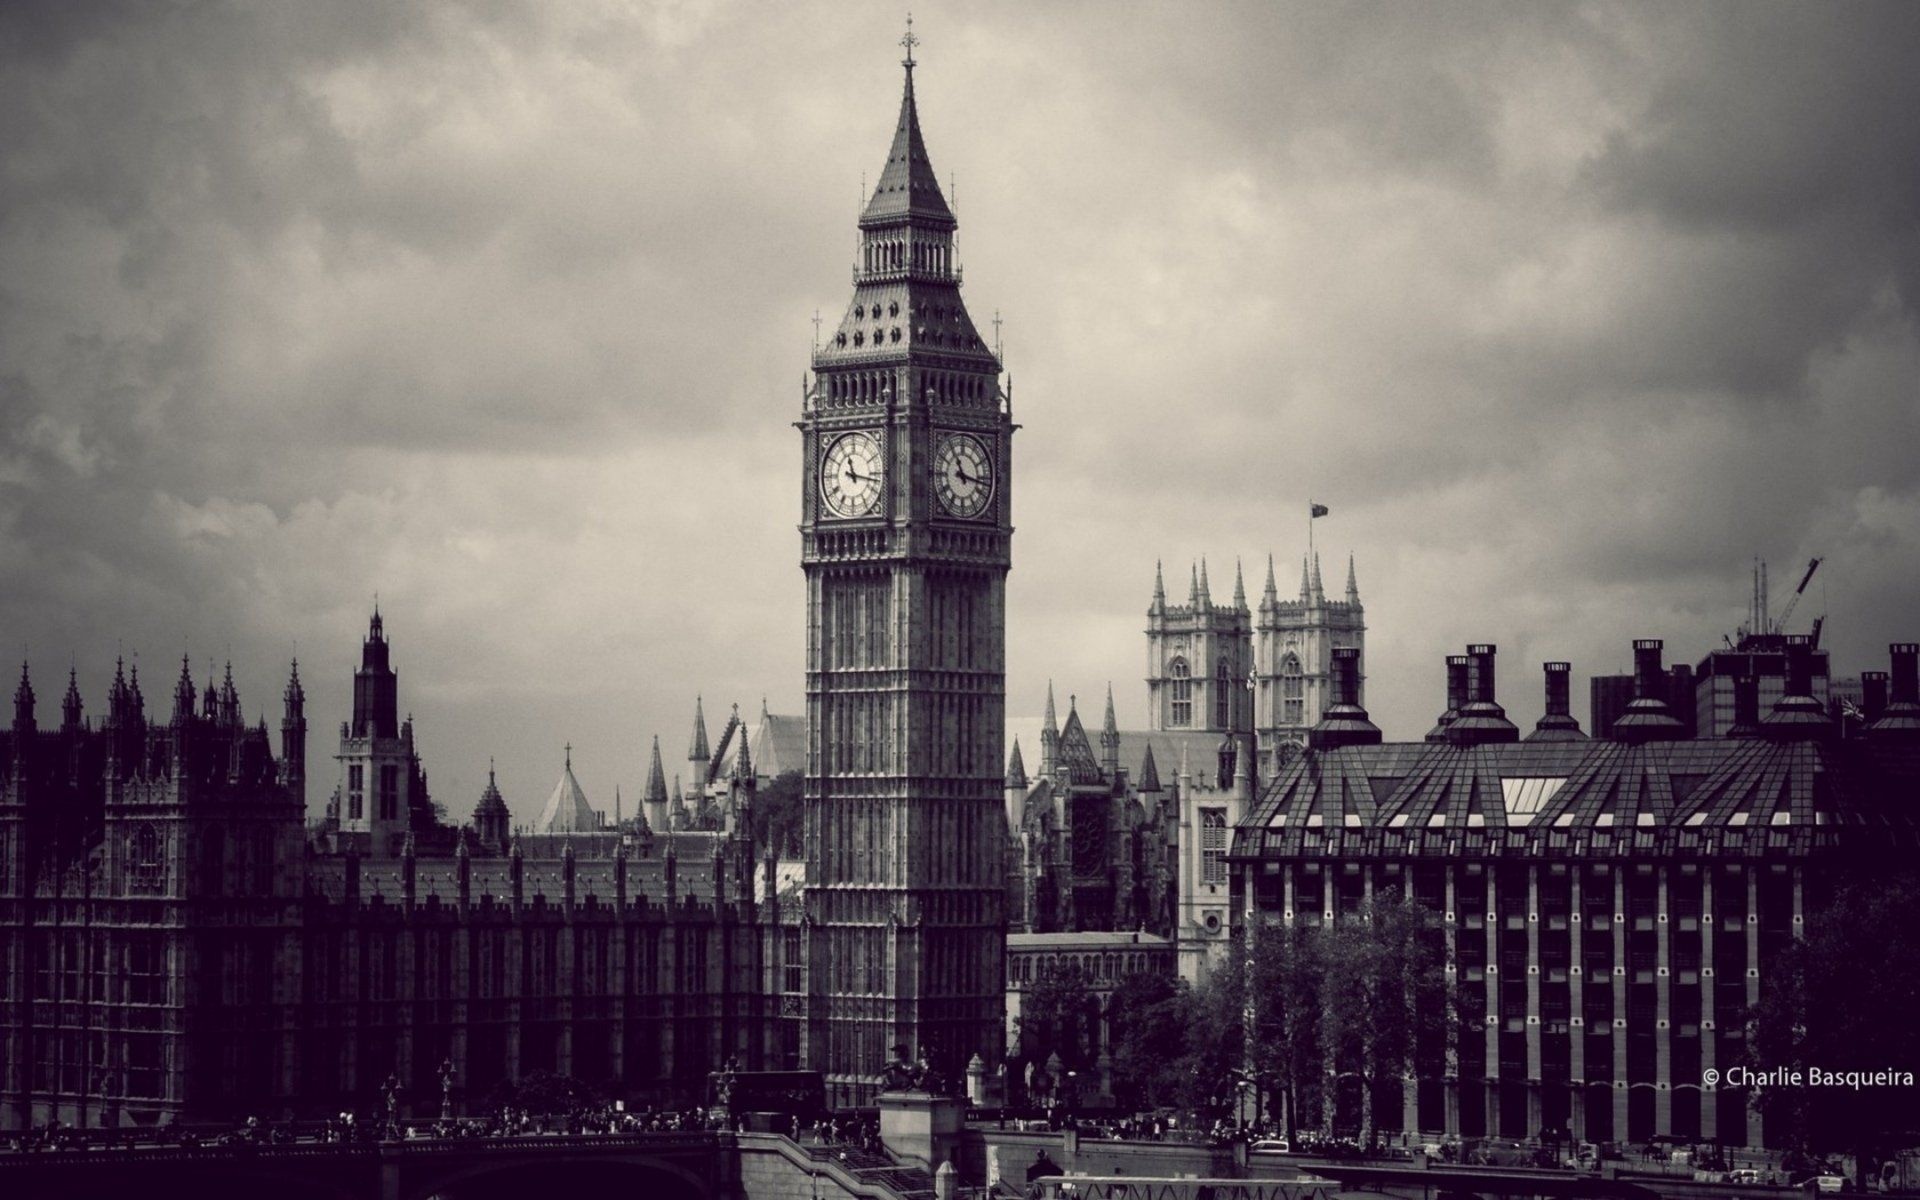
(906, 541)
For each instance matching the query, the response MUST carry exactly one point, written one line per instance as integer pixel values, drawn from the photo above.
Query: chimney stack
(1345, 722)
(1456, 696)
(1873, 696)
(1797, 716)
(1647, 718)
(1902, 716)
(1481, 720)
(1558, 724)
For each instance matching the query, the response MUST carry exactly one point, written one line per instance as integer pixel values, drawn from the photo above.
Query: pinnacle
(1239, 586)
(908, 186)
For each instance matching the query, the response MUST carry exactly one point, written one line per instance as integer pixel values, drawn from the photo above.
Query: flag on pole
(1315, 510)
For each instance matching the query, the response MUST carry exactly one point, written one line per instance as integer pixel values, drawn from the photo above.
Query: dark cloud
(501, 311)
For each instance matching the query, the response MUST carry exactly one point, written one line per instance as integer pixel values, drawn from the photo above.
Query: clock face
(963, 475)
(851, 475)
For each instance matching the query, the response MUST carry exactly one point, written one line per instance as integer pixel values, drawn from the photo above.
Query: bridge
(666, 1166)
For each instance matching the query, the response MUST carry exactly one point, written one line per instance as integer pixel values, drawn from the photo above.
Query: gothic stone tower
(905, 538)
(1199, 656)
(1294, 641)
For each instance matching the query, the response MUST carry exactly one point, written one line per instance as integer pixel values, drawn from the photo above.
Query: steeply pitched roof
(907, 186)
(779, 743)
(567, 810)
(1076, 753)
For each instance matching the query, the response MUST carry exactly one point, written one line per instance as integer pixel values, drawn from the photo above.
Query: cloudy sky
(501, 311)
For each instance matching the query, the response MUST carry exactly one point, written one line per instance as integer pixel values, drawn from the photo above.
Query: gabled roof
(1076, 753)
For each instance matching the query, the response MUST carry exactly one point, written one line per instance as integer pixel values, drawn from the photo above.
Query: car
(1824, 1183)
(1747, 1175)
(1270, 1146)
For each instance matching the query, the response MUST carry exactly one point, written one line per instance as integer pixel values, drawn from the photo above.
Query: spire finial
(909, 41)
(569, 756)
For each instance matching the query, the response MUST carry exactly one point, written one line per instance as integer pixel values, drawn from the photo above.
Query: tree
(1842, 999)
(1057, 1015)
(544, 1093)
(1147, 1027)
(779, 816)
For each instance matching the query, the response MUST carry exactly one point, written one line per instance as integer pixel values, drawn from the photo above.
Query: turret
(1110, 741)
(376, 689)
(23, 720)
(70, 707)
(1050, 736)
(293, 735)
(1149, 777)
(490, 817)
(698, 752)
(229, 701)
(183, 696)
(653, 801)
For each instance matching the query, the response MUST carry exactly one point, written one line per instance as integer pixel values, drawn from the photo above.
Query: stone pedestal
(921, 1128)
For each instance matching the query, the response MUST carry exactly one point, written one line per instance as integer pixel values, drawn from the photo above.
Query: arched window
(146, 865)
(1182, 715)
(1292, 691)
(1223, 694)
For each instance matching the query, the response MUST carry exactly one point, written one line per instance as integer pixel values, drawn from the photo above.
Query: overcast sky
(501, 311)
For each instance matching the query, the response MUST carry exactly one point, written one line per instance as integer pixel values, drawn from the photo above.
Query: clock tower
(905, 540)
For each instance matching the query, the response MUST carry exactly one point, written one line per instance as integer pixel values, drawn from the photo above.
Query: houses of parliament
(179, 944)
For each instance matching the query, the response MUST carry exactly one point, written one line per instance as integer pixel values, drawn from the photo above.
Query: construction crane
(1780, 626)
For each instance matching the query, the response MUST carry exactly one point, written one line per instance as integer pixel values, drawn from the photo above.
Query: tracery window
(146, 866)
(1292, 691)
(1223, 694)
(1213, 845)
(1182, 714)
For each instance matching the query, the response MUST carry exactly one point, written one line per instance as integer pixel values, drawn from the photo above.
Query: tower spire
(1271, 596)
(1239, 586)
(1306, 581)
(1159, 604)
(1193, 585)
(1353, 585)
(1206, 593)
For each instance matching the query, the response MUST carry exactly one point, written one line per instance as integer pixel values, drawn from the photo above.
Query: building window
(389, 791)
(1213, 845)
(1292, 691)
(146, 867)
(356, 791)
(1223, 694)
(1182, 715)
(790, 960)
